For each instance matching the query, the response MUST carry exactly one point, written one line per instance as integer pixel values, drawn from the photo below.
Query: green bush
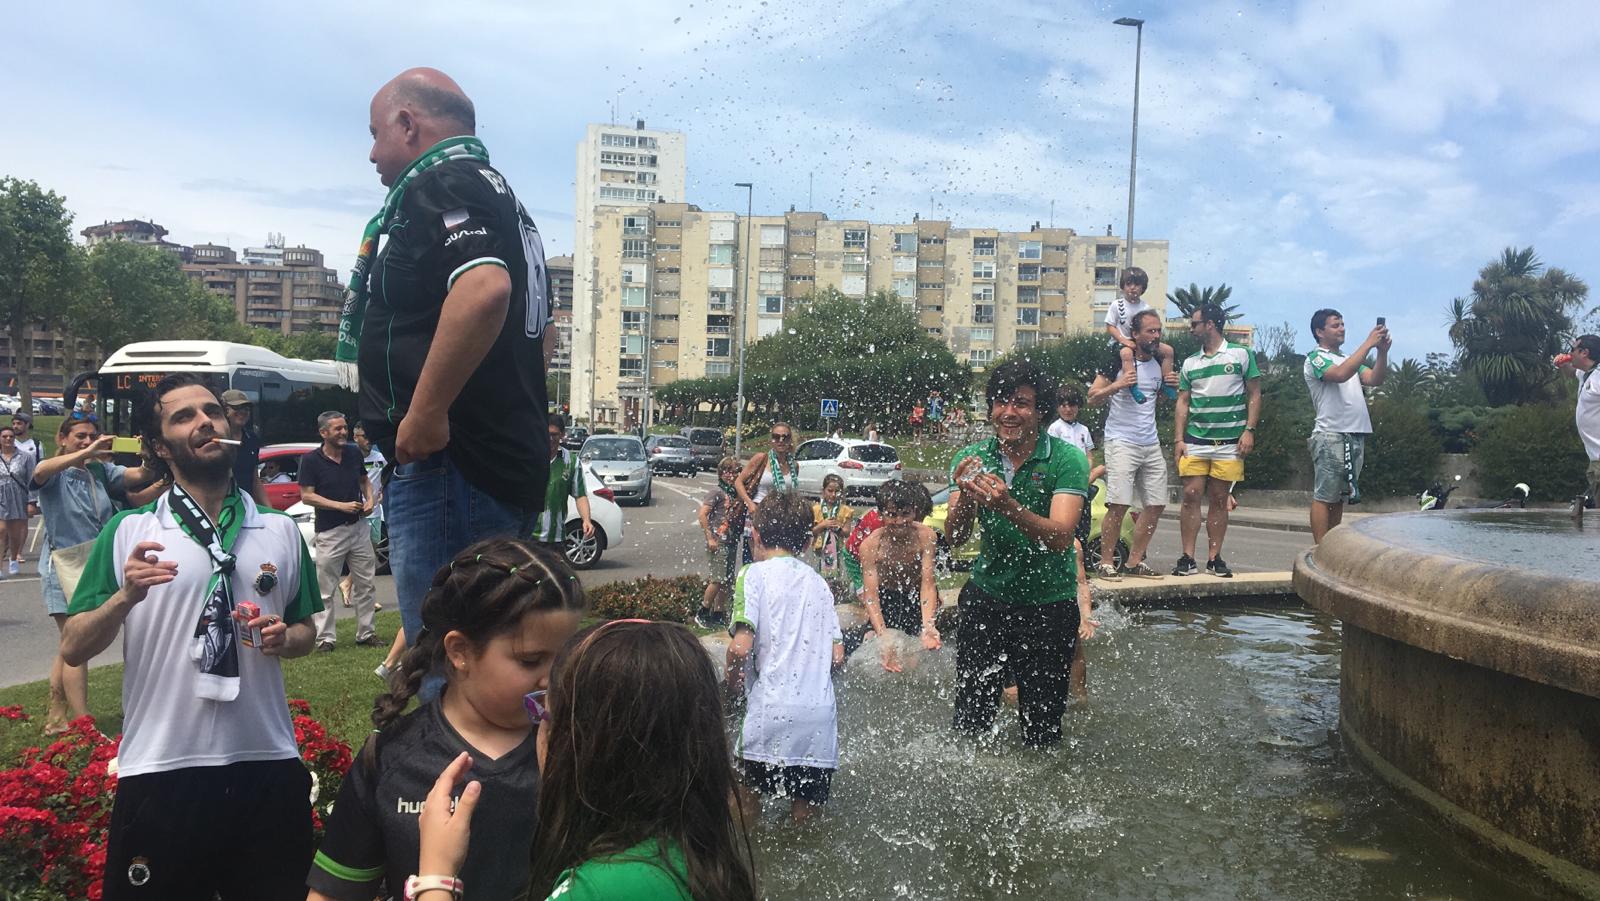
(671, 600)
(1537, 444)
(1286, 417)
(1402, 455)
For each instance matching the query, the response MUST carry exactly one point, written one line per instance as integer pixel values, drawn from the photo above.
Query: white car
(581, 553)
(864, 465)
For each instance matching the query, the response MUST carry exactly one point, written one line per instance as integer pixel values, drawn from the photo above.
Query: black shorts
(800, 783)
(238, 831)
(901, 609)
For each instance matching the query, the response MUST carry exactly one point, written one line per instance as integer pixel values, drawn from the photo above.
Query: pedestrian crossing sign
(830, 408)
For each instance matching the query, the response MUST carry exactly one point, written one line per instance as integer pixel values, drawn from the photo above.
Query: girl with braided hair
(492, 623)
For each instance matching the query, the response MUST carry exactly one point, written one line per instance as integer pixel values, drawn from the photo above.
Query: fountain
(1470, 673)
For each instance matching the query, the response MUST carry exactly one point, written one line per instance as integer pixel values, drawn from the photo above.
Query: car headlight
(638, 474)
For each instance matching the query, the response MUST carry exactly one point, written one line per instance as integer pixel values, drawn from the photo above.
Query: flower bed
(673, 600)
(55, 803)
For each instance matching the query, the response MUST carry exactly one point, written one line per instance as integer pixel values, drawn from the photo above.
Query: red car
(280, 473)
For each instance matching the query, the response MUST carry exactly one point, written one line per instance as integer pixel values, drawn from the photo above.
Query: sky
(1365, 155)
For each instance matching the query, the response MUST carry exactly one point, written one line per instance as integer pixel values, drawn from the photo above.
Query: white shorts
(1136, 474)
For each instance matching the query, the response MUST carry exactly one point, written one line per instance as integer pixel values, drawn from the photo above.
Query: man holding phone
(1338, 439)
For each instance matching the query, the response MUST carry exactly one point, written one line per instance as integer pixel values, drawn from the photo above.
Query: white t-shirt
(1341, 406)
(1589, 411)
(166, 726)
(1130, 421)
(1073, 433)
(789, 715)
(1121, 313)
(374, 462)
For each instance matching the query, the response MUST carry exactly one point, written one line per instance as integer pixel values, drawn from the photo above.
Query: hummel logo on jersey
(480, 230)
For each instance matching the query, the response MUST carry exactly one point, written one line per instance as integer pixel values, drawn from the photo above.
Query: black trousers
(241, 831)
(1034, 643)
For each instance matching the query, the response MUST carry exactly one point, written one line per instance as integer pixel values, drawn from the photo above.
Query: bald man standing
(448, 323)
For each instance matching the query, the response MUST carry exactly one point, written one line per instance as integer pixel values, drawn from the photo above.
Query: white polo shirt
(1589, 411)
(166, 725)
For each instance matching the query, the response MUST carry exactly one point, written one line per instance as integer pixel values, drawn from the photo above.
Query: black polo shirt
(339, 481)
(454, 217)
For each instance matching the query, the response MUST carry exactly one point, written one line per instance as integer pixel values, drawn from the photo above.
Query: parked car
(864, 465)
(305, 516)
(620, 464)
(46, 406)
(584, 553)
(280, 473)
(960, 558)
(669, 454)
(706, 445)
(575, 437)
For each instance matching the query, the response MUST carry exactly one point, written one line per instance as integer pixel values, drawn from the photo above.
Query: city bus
(288, 394)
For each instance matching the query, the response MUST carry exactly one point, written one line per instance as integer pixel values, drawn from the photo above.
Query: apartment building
(560, 270)
(618, 167)
(286, 289)
(668, 287)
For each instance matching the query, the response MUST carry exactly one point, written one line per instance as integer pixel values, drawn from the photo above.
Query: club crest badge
(267, 579)
(139, 871)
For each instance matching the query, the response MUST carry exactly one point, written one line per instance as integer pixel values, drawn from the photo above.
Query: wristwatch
(416, 885)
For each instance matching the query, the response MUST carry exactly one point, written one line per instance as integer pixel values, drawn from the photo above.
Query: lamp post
(1133, 151)
(744, 278)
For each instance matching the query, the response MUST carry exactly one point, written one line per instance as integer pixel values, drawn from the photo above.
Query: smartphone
(1380, 322)
(121, 445)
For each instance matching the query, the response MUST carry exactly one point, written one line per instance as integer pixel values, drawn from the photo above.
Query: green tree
(1192, 298)
(1408, 382)
(40, 268)
(1518, 316)
(139, 293)
(1536, 444)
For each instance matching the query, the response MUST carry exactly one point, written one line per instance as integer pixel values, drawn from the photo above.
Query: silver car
(621, 464)
(670, 454)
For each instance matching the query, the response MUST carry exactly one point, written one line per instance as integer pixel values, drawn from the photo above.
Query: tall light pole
(1133, 151)
(744, 279)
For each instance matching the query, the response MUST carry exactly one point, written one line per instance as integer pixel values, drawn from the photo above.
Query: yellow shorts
(1226, 470)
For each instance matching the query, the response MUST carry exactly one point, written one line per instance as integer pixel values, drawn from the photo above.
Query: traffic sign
(830, 408)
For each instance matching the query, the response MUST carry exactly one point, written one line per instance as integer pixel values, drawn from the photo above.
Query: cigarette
(227, 441)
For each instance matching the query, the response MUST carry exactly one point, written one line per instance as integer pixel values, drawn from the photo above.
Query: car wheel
(1092, 555)
(581, 552)
(645, 500)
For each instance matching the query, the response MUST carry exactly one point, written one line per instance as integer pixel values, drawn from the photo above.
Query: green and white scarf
(463, 147)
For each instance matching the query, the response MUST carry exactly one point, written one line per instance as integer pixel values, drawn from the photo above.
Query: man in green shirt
(1219, 401)
(1026, 490)
(566, 480)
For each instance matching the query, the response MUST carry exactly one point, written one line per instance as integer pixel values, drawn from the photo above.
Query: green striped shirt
(1215, 383)
(566, 480)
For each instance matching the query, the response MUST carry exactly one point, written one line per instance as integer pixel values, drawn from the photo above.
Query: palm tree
(1408, 381)
(1192, 298)
(1517, 318)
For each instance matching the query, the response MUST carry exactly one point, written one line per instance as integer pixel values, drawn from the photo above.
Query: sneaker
(13, 567)
(704, 618)
(1185, 567)
(1217, 568)
(1107, 571)
(1140, 570)
(324, 646)
(381, 671)
(369, 641)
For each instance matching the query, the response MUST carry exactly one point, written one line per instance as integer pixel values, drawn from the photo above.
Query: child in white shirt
(1119, 325)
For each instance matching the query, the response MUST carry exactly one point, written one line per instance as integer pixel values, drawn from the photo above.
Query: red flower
(13, 713)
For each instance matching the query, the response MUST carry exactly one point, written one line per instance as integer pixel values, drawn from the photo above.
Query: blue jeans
(434, 513)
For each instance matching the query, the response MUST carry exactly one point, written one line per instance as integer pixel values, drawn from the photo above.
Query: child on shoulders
(1119, 325)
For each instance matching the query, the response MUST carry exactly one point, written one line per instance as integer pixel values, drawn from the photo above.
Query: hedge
(671, 600)
(1536, 444)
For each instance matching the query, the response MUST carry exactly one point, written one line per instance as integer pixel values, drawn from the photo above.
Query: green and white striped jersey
(1215, 383)
(566, 480)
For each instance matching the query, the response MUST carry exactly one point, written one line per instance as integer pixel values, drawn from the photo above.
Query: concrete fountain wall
(1473, 686)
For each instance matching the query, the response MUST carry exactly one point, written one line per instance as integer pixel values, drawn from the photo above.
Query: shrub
(673, 600)
(1537, 444)
(1286, 417)
(1402, 454)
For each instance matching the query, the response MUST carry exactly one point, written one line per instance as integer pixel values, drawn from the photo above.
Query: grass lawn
(44, 431)
(339, 685)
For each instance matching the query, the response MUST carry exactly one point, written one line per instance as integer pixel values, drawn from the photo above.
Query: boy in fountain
(897, 568)
(783, 617)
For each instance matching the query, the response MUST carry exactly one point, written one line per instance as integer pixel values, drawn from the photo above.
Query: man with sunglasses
(1219, 401)
(237, 405)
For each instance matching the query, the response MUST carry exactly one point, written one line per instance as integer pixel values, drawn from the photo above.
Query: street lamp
(1133, 152)
(744, 277)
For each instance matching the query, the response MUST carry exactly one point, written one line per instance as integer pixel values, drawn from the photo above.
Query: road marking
(680, 492)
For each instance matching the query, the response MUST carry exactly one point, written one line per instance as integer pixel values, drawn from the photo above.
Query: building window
(1104, 298)
(983, 313)
(661, 223)
(983, 269)
(635, 225)
(772, 305)
(980, 355)
(632, 320)
(719, 369)
(721, 254)
(905, 264)
(931, 241)
(633, 273)
(982, 334)
(635, 248)
(1027, 339)
(855, 239)
(720, 302)
(771, 236)
(930, 286)
(719, 347)
(1106, 253)
(801, 279)
(633, 344)
(1105, 275)
(983, 247)
(633, 295)
(930, 264)
(1027, 315)
(905, 287)
(1027, 295)
(1030, 250)
(983, 293)
(905, 242)
(855, 262)
(771, 282)
(630, 367)
(1028, 273)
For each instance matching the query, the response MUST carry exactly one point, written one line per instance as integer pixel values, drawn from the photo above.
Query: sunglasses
(781, 436)
(81, 416)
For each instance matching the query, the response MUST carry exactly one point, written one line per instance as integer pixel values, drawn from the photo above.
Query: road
(662, 539)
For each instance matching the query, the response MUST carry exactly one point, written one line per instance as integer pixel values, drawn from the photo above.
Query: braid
(406, 681)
